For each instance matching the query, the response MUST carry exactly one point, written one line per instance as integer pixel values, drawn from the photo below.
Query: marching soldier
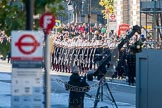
(56, 57)
(66, 52)
(86, 57)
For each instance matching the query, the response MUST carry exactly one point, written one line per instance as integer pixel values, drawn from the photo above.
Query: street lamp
(82, 15)
(70, 8)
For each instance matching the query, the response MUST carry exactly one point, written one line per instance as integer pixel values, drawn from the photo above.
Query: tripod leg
(101, 93)
(97, 97)
(111, 95)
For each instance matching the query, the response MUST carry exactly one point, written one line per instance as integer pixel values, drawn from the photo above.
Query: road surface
(123, 94)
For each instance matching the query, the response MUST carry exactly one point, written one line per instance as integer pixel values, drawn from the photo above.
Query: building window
(134, 22)
(118, 8)
(118, 18)
(134, 2)
(118, 13)
(134, 7)
(134, 13)
(118, 2)
(134, 18)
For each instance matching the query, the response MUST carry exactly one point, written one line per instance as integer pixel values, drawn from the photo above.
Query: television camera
(110, 60)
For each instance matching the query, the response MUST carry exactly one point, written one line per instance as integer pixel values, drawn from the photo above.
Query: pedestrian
(77, 87)
(8, 57)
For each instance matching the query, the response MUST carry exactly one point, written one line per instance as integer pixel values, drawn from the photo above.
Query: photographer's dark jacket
(77, 88)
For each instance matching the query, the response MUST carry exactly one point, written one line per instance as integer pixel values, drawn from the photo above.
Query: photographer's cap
(75, 69)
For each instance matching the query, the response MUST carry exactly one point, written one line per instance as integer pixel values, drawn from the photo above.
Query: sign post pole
(47, 72)
(108, 25)
(47, 21)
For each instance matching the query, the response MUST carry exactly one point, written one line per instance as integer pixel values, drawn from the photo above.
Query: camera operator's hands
(87, 88)
(66, 86)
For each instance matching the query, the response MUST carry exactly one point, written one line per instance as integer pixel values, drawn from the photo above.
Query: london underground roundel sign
(27, 45)
(20, 44)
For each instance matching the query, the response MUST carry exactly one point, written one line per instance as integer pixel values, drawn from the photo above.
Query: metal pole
(140, 14)
(128, 1)
(47, 71)
(82, 17)
(29, 14)
(89, 18)
(146, 24)
(68, 17)
(108, 24)
(154, 21)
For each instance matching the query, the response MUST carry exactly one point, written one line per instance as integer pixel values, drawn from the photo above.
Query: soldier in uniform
(87, 56)
(92, 49)
(66, 52)
(131, 61)
(70, 55)
(56, 64)
(61, 58)
(98, 55)
(82, 56)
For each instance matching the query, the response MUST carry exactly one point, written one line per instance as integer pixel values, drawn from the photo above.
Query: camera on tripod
(136, 47)
(83, 78)
(99, 73)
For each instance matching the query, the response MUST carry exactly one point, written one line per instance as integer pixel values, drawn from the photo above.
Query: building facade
(127, 12)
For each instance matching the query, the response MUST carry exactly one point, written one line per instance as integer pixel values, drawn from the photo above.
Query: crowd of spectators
(4, 37)
(83, 30)
(83, 35)
(97, 33)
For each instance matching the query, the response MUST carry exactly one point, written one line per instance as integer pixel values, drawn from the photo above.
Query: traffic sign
(27, 45)
(57, 24)
(47, 21)
(123, 28)
(112, 17)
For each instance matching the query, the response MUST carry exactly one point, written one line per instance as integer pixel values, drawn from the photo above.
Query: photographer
(77, 87)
